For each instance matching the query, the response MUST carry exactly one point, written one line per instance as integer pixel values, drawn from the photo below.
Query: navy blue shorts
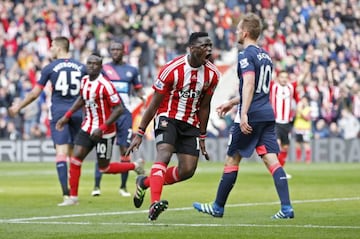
(124, 129)
(263, 139)
(183, 136)
(67, 135)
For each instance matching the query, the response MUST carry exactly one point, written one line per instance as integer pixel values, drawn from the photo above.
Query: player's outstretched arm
(227, 106)
(135, 143)
(141, 94)
(30, 97)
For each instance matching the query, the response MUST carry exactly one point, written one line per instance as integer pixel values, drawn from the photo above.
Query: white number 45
(64, 81)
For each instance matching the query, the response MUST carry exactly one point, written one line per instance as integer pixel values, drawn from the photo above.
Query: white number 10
(264, 79)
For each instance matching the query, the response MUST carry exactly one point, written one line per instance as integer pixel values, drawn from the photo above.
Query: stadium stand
(316, 41)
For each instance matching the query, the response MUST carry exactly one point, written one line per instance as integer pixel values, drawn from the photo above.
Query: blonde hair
(252, 24)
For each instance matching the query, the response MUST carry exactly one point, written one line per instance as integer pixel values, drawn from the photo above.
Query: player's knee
(103, 170)
(232, 161)
(103, 167)
(186, 173)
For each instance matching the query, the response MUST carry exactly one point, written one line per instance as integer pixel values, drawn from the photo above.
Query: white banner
(323, 150)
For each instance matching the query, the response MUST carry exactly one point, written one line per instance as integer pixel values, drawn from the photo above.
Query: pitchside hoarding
(323, 150)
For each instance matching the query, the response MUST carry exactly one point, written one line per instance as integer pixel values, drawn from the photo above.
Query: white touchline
(185, 225)
(37, 220)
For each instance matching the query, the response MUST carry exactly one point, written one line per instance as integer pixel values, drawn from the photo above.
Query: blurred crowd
(316, 42)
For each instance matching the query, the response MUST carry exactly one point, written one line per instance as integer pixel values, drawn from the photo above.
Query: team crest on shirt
(91, 104)
(159, 84)
(164, 123)
(206, 85)
(244, 63)
(129, 74)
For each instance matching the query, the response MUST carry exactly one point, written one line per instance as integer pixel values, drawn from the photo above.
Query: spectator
(3, 123)
(325, 33)
(11, 132)
(321, 130)
(302, 129)
(30, 114)
(348, 124)
(334, 131)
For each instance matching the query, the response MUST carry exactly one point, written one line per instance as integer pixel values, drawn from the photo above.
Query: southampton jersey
(183, 87)
(65, 76)
(100, 97)
(254, 60)
(283, 101)
(122, 77)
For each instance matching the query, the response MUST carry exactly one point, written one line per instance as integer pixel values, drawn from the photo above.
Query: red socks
(118, 167)
(75, 172)
(298, 155)
(282, 157)
(308, 156)
(157, 179)
(171, 175)
(125, 159)
(159, 176)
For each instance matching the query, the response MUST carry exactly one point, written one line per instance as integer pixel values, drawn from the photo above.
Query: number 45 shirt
(65, 77)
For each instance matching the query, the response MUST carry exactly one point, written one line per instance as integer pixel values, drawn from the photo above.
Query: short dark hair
(117, 40)
(62, 42)
(95, 53)
(196, 35)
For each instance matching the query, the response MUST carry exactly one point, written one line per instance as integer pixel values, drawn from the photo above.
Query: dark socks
(225, 186)
(62, 171)
(98, 175)
(124, 177)
(281, 185)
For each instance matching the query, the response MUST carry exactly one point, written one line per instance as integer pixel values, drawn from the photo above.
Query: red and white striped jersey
(184, 87)
(100, 97)
(282, 99)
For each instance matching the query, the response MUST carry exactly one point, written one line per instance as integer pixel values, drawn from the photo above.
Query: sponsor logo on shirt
(190, 94)
(121, 87)
(164, 123)
(244, 63)
(114, 98)
(159, 84)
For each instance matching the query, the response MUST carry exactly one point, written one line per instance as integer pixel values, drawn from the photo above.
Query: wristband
(140, 132)
(103, 127)
(202, 136)
(68, 114)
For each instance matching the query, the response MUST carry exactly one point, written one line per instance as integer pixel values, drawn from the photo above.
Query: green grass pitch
(326, 199)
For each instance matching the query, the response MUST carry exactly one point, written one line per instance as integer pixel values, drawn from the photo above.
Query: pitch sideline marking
(32, 219)
(187, 225)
